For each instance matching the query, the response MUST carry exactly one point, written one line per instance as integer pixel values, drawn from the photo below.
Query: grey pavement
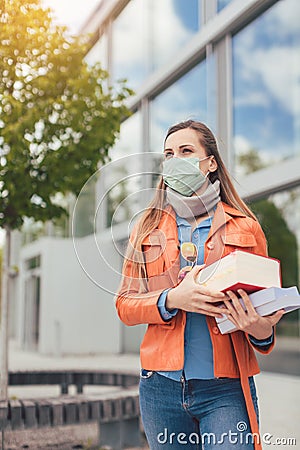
(278, 393)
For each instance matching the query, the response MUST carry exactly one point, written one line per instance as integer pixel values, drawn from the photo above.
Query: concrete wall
(76, 315)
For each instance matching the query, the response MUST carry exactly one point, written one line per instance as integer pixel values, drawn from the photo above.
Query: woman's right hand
(194, 297)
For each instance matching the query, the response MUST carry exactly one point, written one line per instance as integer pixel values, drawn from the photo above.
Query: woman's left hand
(249, 321)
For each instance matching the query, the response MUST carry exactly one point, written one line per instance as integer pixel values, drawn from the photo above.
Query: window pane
(173, 23)
(222, 4)
(161, 29)
(279, 216)
(130, 140)
(266, 74)
(183, 100)
(121, 177)
(83, 220)
(129, 44)
(98, 53)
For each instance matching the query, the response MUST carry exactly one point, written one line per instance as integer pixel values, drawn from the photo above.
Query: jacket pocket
(239, 240)
(153, 248)
(153, 259)
(152, 252)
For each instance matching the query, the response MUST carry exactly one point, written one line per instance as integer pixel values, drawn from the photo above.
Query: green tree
(58, 119)
(250, 161)
(282, 242)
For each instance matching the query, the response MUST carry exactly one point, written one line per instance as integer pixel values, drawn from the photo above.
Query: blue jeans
(195, 414)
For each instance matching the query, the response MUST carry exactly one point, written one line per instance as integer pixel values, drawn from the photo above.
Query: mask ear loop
(208, 172)
(206, 157)
(203, 159)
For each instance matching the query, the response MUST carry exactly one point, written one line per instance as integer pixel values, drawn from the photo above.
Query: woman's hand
(249, 321)
(193, 297)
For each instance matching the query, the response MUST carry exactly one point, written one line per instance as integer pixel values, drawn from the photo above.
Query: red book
(241, 270)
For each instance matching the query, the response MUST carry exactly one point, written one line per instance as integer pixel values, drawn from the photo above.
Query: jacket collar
(166, 235)
(223, 214)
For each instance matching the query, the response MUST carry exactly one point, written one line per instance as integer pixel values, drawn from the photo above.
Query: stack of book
(258, 275)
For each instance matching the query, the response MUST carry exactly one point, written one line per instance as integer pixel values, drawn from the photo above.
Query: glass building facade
(232, 64)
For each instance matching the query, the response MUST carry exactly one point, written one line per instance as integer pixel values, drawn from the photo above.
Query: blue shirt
(198, 352)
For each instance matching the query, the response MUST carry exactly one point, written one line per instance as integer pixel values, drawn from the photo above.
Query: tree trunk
(4, 317)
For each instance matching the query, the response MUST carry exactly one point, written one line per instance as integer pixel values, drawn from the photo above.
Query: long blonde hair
(153, 213)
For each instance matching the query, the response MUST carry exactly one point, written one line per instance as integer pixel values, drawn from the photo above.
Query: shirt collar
(181, 222)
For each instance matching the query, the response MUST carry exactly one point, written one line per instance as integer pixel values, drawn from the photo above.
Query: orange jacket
(163, 344)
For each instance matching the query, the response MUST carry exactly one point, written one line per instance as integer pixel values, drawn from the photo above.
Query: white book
(241, 270)
(266, 302)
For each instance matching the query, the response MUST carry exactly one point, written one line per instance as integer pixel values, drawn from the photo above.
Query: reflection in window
(98, 53)
(120, 184)
(183, 100)
(279, 215)
(222, 4)
(172, 25)
(130, 139)
(129, 44)
(149, 33)
(83, 220)
(266, 73)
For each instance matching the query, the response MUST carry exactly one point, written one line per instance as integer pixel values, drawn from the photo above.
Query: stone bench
(117, 413)
(79, 378)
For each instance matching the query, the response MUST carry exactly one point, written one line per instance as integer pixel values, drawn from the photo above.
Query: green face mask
(183, 175)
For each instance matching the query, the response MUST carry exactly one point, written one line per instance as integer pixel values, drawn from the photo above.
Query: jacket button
(215, 330)
(211, 245)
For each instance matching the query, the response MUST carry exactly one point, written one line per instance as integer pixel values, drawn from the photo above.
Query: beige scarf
(198, 204)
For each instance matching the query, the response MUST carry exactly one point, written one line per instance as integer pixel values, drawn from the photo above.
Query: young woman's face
(185, 144)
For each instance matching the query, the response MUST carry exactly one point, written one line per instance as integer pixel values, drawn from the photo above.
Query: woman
(196, 386)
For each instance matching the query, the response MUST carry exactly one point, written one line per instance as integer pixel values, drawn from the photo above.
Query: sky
(71, 13)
